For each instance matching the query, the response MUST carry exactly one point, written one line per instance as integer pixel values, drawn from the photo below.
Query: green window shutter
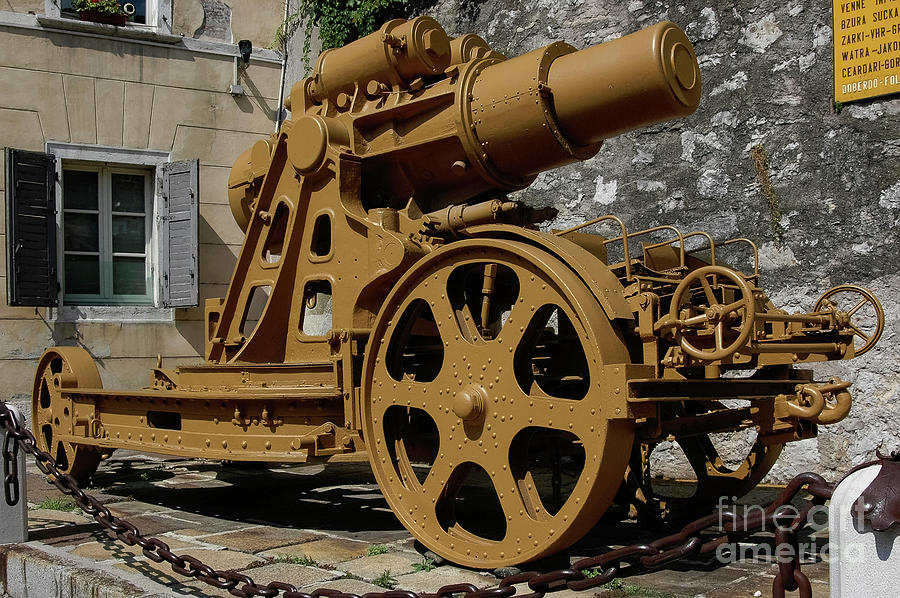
(31, 263)
(178, 233)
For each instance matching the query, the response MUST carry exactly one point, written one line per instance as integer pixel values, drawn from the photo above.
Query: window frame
(148, 159)
(105, 213)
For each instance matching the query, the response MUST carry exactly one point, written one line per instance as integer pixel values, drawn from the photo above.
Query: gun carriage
(391, 304)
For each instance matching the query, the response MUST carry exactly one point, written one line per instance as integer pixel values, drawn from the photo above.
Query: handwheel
(720, 316)
(850, 299)
(482, 404)
(52, 414)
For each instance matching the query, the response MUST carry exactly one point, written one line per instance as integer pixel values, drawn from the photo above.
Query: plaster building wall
(767, 80)
(99, 90)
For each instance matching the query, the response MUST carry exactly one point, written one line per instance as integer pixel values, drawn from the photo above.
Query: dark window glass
(129, 276)
(80, 188)
(127, 192)
(140, 11)
(128, 234)
(81, 232)
(83, 274)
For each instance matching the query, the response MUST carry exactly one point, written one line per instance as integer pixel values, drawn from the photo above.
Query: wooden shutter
(31, 263)
(178, 233)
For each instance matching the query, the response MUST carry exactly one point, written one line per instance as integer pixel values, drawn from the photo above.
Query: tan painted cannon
(390, 304)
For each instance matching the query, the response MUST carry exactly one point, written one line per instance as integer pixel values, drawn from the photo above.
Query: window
(107, 212)
(98, 226)
(153, 13)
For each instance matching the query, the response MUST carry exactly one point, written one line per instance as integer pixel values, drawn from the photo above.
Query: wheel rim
(53, 416)
(485, 431)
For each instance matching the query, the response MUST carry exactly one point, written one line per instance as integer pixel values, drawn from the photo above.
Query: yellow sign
(866, 48)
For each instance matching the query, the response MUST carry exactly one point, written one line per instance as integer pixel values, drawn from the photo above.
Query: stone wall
(767, 80)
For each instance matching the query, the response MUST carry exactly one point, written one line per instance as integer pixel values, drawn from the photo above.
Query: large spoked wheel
(709, 336)
(862, 312)
(53, 417)
(482, 404)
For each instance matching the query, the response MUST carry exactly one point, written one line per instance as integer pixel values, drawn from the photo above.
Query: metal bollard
(864, 532)
(13, 518)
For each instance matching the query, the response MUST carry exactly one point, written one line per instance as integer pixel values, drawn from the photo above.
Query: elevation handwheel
(718, 317)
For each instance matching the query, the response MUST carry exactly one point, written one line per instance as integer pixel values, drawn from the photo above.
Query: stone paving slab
(327, 551)
(38, 518)
(155, 521)
(62, 528)
(297, 575)
(220, 560)
(349, 586)
(108, 548)
(259, 538)
(431, 581)
(371, 567)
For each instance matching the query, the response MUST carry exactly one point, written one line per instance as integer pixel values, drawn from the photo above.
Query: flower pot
(103, 17)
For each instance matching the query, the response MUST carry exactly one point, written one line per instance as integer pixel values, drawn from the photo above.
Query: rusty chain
(584, 574)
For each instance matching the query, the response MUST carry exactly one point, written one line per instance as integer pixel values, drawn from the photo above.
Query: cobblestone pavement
(316, 526)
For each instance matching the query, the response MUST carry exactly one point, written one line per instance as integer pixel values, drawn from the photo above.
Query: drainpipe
(284, 57)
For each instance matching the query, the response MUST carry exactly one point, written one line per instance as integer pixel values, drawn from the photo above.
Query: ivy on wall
(342, 21)
(339, 21)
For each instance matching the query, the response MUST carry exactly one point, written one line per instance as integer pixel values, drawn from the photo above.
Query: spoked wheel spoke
(865, 337)
(482, 432)
(715, 478)
(53, 413)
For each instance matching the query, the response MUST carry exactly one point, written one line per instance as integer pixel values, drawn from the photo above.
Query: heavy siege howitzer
(390, 304)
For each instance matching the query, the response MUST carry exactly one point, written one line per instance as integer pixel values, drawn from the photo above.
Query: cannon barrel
(556, 105)
(630, 82)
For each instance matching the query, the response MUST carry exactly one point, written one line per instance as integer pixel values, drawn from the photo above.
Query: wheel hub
(468, 404)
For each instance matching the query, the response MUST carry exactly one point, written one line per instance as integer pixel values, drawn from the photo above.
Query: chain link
(11, 469)
(584, 574)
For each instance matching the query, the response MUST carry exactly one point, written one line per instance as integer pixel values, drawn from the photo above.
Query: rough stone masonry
(834, 170)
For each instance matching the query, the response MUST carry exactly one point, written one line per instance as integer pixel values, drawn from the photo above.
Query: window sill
(134, 34)
(144, 34)
(111, 313)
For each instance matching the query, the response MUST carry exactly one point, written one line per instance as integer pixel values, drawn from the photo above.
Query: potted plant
(100, 11)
